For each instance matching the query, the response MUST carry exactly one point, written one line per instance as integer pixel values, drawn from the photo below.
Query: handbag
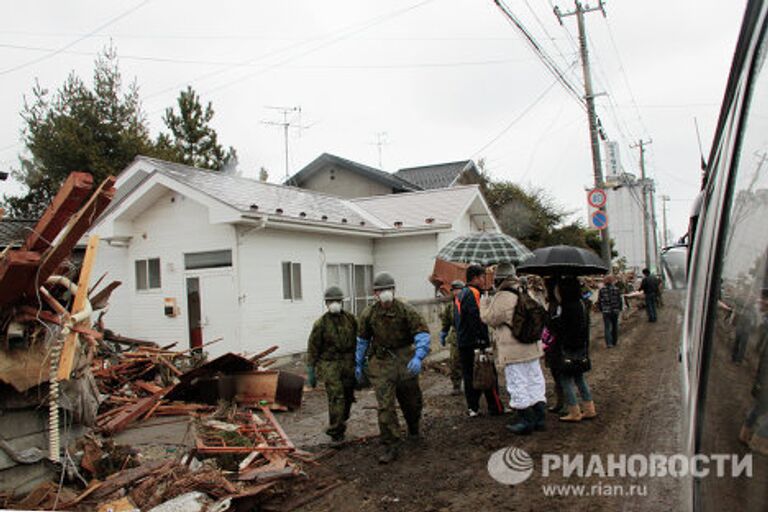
(483, 370)
(575, 362)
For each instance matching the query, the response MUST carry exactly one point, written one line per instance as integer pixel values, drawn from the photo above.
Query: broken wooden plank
(70, 197)
(264, 353)
(17, 270)
(81, 298)
(131, 413)
(28, 313)
(75, 229)
(128, 476)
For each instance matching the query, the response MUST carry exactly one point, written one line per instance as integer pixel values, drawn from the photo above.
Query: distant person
(519, 361)
(398, 339)
(650, 288)
(472, 334)
(610, 304)
(572, 331)
(448, 337)
(331, 356)
(552, 356)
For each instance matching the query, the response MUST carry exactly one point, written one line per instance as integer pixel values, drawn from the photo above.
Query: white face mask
(334, 307)
(387, 296)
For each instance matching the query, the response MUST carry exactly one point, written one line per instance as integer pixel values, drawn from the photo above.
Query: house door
(212, 310)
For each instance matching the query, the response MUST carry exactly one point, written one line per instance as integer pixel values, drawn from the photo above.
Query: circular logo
(510, 466)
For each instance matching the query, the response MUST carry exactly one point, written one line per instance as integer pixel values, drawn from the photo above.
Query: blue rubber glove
(360, 351)
(421, 340)
(443, 336)
(311, 377)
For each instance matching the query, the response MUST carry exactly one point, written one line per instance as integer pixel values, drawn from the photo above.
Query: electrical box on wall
(170, 308)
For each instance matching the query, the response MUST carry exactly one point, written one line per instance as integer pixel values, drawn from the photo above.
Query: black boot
(539, 416)
(525, 422)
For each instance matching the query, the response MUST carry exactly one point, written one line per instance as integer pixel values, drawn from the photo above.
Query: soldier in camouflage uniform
(331, 353)
(448, 335)
(398, 339)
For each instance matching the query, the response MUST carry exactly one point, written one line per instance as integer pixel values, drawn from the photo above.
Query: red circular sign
(596, 197)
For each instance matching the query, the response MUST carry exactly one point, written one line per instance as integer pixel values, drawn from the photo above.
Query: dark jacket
(650, 286)
(609, 299)
(471, 331)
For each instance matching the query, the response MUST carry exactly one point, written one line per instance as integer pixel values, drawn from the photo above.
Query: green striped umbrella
(484, 249)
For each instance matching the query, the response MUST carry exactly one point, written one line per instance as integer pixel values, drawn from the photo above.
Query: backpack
(529, 319)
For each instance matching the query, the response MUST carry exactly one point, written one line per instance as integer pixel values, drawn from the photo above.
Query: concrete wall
(625, 221)
(344, 183)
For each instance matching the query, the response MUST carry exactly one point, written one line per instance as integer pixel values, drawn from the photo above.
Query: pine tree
(192, 138)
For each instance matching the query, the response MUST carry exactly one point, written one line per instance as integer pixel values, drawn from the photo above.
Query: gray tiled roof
(434, 176)
(413, 209)
(13, 232)
(245, 193)
(392, 180)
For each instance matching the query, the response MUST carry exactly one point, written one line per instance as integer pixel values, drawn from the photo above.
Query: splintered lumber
(128, 476)
(81, 297)
(17, 270)
(75, 229)
(263, 354)
(131, 412)
(28, 314)
(67, 201)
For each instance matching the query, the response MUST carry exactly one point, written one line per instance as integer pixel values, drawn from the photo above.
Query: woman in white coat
(519, 362)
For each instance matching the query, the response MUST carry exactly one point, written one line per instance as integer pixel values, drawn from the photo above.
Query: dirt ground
(636, 388)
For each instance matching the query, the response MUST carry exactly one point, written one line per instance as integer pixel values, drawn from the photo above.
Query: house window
(208, 259)
(148, 274)
(356, 281)
(291, 280)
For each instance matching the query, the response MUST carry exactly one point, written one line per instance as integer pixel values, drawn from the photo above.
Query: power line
(73, 43)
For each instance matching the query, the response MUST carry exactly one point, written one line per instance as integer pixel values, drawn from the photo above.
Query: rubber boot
(525, 422)
(588, 410)
(540, 416)
(759, 444)
(574, 414)
(390, 454)
(745, 435)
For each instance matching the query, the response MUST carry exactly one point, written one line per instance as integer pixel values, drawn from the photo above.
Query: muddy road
(636, 388)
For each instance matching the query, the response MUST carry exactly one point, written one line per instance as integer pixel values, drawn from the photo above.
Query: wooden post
(71, 341)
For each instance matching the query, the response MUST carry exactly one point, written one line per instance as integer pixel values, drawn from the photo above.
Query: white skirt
(525, 384)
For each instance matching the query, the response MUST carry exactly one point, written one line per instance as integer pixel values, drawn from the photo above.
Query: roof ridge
(436, 165)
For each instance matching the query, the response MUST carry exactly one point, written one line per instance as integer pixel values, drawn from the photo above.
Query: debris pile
(67, 384)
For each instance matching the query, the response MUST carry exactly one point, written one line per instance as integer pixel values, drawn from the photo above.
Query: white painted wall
(410, 259)
(268, 319)
(113, 260)
(625, 220)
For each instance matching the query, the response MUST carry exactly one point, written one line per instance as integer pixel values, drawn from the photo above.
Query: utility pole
(589, 96)
(381, 141)
(285, 124)
(665, 232)
(646, 217)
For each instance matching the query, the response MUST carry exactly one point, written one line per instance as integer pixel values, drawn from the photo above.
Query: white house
(203, 255)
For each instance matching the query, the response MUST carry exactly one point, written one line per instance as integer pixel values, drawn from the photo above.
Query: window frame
(293, 292)
(148, 281)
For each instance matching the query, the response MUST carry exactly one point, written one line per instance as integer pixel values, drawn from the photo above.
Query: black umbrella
(563, 260)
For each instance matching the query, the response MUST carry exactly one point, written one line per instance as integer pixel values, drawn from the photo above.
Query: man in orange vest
(472, 334)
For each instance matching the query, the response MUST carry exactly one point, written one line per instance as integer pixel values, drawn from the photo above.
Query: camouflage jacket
(390, 328)
(446, 318)
(333, 338)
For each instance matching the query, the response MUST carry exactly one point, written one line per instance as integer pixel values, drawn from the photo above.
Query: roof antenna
(701, 150)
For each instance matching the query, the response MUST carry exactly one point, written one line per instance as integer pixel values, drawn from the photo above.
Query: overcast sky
(445, 79)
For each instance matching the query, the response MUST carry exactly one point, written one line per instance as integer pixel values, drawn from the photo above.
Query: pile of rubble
(67, 385)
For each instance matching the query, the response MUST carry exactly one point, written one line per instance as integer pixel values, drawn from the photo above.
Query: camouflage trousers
(455, 361)
(392, 382)
(339, 380)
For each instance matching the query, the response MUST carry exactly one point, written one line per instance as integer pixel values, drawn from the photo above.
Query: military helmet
(334, 293)
(383, 281)
(457, 285)
(505, 270)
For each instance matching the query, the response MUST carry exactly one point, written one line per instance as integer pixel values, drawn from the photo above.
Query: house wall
(344, 183)
(410, 260)
(172, 226)
(267, 318)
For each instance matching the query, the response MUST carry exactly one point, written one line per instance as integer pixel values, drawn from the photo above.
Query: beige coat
(496, 312)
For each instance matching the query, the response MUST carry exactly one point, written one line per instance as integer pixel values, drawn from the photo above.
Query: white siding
(268, 319)
(410, 259)
(172, 226)
(112, 261)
